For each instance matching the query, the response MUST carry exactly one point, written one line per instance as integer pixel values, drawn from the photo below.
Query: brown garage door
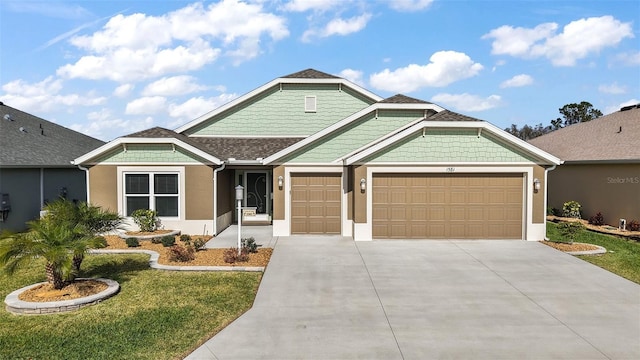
(315, 203)
(451, 206)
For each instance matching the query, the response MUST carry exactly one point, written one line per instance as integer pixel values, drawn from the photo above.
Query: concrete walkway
(333, 298)
(229, 236)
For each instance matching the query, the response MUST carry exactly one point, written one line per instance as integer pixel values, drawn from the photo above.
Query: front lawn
(156, 315)
(622, 257)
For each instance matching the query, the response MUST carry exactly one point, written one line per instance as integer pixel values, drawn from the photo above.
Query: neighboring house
(35, 165)
(601, 167)
(318, 154)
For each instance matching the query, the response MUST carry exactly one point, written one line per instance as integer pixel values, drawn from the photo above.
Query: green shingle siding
(354, 136)
(448, 145)
(281, 113)
(150, 153)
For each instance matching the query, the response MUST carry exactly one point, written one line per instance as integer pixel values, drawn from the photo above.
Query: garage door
(447, 206)
(315, 203)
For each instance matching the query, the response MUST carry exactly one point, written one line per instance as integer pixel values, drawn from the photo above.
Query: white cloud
(612, 88)
(175, 85)
(146, 105)
(103, 126)
(197, 106)
(517, 81)
(355, 76)
(123, 90)
(338, 26)
(139, 46)
(631, 58)
(315, 5)
(45, 96)
(614, 108)
(468, 102)
(409, 5)
(577, 40)
(445, 67)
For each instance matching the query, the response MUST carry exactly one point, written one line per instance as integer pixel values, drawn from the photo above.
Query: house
(318, 154)
(601, 169)
(35, 166)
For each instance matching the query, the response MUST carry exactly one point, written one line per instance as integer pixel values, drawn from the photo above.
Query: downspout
(215, 197)
(41, 188)
(546, 196)
(86, 171)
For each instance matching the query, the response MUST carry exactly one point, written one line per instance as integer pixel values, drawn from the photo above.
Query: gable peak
(310, 74)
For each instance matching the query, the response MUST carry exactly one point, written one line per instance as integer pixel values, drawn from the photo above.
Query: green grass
(622, 257)
(156, 315)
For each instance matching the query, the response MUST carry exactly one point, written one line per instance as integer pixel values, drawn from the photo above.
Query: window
(155, 191)
(310, 103)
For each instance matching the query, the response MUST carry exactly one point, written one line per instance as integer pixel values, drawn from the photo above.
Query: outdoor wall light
(363, 184)
(280, 182)
(536, 185)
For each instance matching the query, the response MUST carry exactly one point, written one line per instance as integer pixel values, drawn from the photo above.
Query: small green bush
(181, 253)
(571, 209)
(132, 242)
(156, 240)
(186, 238)
(198, 243)
(250, 245)
(231, 255)
(633, 225)
(570, 230)
(146, 219)
(552, 211)
(168, 240)
(597, 219)
(101, 242)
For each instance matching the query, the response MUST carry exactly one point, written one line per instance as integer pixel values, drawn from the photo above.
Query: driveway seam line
(530, 299)
(380, 301)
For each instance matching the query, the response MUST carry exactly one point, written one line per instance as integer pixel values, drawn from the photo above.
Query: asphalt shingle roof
(403, 99)
(447, 115)
(612, 137)
(224, 147)
(40, 143)
(311, 74)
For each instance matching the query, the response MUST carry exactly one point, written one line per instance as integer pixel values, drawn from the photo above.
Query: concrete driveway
(333, 298)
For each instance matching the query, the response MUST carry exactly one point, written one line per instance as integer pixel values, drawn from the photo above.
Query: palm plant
(61, 237)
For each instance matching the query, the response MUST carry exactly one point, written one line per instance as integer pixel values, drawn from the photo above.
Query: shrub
(185, 238)
(101, 242)
(156, 240)
(132, 242)
(181, 253)
(231, 255)
(145, 219)
(570, 230)
(571, 209)
(250, 245)
(552, 211)
(168, 240)
(198, 243)
(633, 225)
(597, 219)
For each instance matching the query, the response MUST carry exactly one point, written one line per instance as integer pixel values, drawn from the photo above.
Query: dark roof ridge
(403, 99)
(310, 74)
(448, 115)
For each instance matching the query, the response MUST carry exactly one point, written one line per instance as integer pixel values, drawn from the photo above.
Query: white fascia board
(508, 138)
(346, 121)
(269, 85)
(117, 142)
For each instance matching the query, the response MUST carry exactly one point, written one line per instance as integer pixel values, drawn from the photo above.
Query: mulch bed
(570, 247)
(206, 257)
(75, 290)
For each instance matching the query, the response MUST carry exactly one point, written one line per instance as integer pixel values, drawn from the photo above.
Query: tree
(577, 113)
(61, 237)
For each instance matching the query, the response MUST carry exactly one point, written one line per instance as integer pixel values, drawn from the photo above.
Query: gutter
(546, 196)
(215, 197)
(86, 171)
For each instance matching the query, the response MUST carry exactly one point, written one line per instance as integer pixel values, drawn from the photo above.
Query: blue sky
(110, 68)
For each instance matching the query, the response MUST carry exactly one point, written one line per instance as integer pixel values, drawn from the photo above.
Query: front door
(256, 194)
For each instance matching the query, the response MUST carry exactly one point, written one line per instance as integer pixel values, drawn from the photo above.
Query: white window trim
(122, 170)
(310, 109)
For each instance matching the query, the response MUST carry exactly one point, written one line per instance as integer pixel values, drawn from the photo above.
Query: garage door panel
(465, 206)
(316, 203)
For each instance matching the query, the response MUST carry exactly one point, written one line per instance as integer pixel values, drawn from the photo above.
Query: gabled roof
(29, 141)
(393, 138)
(610, 138)
(156, 135)
(308, 76)
(429, 108)
(403, 99)
(447, 115)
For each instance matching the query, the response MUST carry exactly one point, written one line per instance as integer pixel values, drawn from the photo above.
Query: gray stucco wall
(24, 189)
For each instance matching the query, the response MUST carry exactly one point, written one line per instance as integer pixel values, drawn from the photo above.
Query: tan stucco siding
(612, 189)
(198, 192)
(359, 196)
(103, 180)
(538, 197)
(225, 191)
(278, 194)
